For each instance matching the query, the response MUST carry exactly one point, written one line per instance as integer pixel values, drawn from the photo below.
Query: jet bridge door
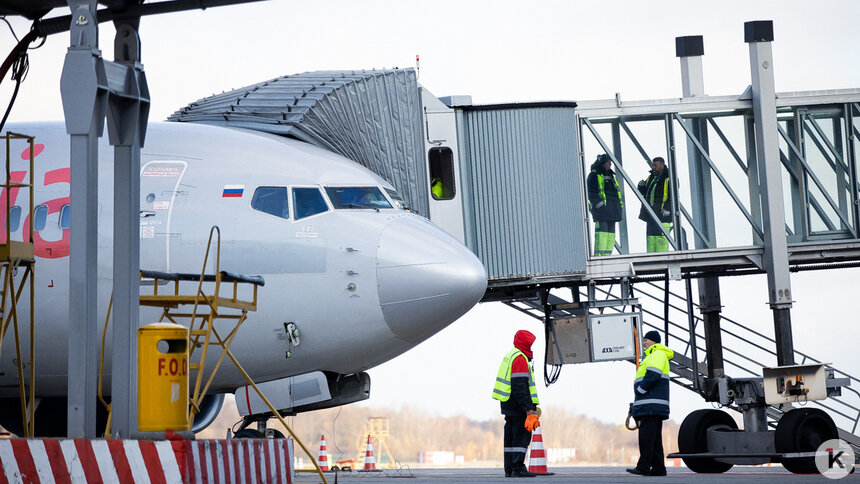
(159, 186)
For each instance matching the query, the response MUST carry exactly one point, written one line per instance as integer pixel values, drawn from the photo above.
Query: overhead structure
(93, 90)
(372, 117)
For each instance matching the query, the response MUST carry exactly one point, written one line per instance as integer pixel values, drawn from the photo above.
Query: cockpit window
(397, 199)
(357, 197)
(307, 202)
(271, 200)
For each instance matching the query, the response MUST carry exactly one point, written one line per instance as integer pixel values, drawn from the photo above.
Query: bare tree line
(414, 430)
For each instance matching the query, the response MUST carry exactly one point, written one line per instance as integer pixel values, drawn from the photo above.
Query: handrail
(828, 404)
(206, 328)
(737, 359)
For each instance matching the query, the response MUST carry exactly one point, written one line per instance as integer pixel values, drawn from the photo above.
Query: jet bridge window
(40, 217)
(307, 202)
(441, 173)
(357, 197)
(271, 200)
(65, 217)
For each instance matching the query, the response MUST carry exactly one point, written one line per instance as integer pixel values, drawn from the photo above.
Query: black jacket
(606, 204)
(654, 189)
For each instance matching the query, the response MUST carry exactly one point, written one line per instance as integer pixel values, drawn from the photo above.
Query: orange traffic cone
(369, 459)
(322, 460)
(537, 456)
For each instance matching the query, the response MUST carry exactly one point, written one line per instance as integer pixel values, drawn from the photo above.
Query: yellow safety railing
(202, 332)
(15, 255)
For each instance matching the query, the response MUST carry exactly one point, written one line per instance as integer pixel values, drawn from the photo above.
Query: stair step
(685, 372)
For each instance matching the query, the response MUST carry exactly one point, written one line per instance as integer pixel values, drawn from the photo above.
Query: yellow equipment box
(162, 388)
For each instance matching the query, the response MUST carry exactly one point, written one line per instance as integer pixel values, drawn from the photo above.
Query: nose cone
(426, 278)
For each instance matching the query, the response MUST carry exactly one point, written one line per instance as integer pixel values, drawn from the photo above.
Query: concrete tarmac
(753, 475)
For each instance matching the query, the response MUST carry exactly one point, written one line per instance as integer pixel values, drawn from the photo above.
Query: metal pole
(759, 35)
(623, 242)
(127, 118)
(691, 326)
(83, 94)
(690, 50)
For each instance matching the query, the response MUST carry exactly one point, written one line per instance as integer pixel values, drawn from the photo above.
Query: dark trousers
(651, 445)
(517, 440)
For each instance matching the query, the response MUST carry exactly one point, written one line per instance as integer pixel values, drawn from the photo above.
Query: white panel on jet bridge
(612, 336)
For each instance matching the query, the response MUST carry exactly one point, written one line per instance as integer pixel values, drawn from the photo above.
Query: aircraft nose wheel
(803, 430)
(693, 439)
(249, 434)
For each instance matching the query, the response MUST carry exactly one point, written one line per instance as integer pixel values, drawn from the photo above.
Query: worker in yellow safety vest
(657, 193)
(437, 188)
(650, 406)
(515, 389)
(605, 204)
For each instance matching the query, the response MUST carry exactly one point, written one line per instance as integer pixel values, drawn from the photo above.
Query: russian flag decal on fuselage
(233, 191)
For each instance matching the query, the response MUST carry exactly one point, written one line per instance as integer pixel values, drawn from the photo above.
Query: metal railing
(712, 139)
(745, 350)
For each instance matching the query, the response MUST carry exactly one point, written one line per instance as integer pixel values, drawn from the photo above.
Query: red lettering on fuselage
(53, 249)
(12, 194)
(48, 249)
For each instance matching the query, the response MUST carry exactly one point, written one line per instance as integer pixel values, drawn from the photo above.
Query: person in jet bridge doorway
(515, 389)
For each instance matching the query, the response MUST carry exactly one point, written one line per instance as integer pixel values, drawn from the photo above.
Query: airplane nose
(426, 278)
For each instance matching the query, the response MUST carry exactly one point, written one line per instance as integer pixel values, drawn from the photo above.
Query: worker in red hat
(515, 389)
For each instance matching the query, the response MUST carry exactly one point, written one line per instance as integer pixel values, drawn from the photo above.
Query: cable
(19, 72)
(550, 372)
(334, 437)
(18, 61)
(3, 18)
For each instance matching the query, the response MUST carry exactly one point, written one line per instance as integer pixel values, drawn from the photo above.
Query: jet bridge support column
(91, 86)
(690, 50)
(128, 111)
(759, 35)
(84, 92)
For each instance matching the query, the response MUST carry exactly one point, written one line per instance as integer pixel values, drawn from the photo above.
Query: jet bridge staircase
(746, 350)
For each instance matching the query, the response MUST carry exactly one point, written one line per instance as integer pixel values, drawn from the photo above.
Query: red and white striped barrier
(48, 461)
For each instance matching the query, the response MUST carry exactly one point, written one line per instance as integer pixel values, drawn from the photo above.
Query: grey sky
(502, 51)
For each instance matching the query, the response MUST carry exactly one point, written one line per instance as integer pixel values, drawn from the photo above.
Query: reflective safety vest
(437, 188)
(601, 187)
(653, 373)
(652, 183)
(502, 389)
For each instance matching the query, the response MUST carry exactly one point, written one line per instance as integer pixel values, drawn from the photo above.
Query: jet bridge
(761, 183)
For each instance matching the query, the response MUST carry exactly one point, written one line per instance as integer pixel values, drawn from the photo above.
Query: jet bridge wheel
(803, 430)
(693, 439)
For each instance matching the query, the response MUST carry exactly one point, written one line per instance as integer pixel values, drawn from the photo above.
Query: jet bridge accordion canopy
(371, 117)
